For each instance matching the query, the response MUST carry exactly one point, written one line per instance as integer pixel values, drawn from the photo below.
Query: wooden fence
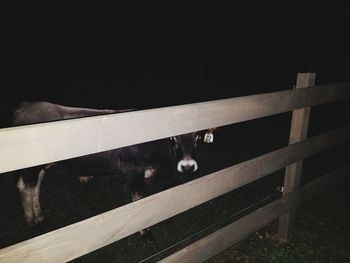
(30, 145)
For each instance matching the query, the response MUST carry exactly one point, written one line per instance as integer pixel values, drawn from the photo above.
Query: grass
(321, 235)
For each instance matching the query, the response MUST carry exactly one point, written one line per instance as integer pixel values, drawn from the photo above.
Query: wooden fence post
(298, 132)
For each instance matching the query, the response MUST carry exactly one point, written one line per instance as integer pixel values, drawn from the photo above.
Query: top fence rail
(31, 145)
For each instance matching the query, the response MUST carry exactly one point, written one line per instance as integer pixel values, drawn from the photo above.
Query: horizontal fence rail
(88, 235)
(30, 145)
(216, 242)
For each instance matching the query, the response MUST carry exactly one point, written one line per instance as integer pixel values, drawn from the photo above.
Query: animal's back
(37, 112)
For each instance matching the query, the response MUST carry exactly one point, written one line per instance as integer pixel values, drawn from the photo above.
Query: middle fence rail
(26, 146)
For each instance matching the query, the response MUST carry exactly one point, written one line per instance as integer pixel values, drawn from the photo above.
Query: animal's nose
(187, 166)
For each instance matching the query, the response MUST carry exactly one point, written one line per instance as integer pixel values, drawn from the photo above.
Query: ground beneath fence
(322, 234)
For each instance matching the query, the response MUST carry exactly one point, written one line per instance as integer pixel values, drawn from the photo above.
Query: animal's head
(185, 149)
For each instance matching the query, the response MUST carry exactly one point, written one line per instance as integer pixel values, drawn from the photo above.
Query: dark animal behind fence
(138, 164)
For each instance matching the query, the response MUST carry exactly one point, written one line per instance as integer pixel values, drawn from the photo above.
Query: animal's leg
(138, 180)
(137, 187)
(36, 202)
(29, 188)
(27, 201)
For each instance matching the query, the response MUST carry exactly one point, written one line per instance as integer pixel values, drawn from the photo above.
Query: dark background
(99, 56)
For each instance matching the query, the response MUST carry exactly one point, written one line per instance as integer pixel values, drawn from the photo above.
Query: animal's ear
(209, 135)
(212, 129)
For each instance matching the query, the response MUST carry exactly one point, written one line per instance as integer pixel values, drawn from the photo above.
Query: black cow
(138, 163)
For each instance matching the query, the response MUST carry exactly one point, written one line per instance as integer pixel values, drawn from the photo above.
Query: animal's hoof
(147, 236)
(45, 223)
(43, 226)
(31, 223)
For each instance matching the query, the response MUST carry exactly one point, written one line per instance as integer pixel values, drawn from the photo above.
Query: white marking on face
(187, 164)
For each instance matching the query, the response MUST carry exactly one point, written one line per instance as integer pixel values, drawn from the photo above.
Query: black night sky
(93, 56)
